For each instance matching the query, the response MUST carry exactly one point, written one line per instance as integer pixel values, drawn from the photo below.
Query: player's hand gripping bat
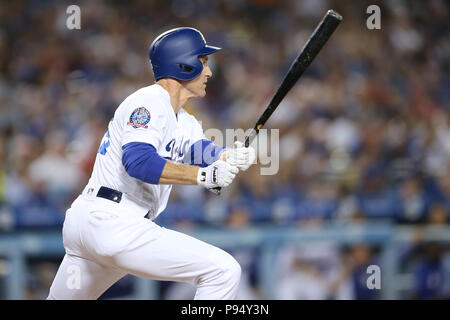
(312, 47)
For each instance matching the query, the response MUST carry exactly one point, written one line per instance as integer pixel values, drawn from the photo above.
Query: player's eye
(204, 60)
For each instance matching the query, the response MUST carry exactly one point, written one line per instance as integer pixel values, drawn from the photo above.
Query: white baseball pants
(104, 241)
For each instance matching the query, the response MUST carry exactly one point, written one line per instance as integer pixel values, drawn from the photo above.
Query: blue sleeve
(203, 153)
(141, 161)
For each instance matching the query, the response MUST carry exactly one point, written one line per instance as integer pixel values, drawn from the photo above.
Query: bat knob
(216, 190)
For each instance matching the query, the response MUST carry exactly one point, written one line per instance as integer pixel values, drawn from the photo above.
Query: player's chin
(202, 92)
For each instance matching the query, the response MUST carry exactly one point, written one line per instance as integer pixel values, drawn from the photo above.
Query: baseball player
(151, 143)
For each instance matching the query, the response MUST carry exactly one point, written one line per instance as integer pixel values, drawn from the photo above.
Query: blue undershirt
(203, 153)
(141, 161)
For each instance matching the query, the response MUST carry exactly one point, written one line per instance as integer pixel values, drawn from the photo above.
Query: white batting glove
(218, 174)
(240, 156)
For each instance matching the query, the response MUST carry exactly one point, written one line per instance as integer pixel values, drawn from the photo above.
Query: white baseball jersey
(144, 116)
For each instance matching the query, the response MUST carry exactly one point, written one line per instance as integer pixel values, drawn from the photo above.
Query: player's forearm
(176, 173)
(141, 161)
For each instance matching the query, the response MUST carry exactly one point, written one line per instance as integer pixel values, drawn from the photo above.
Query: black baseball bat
(312, 47)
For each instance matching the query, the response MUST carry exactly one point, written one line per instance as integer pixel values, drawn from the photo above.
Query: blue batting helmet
(174, 54)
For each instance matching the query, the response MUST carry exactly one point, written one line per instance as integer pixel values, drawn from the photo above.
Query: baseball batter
(151, 143)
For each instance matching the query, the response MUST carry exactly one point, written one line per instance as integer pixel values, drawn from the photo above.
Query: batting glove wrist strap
(218, 174)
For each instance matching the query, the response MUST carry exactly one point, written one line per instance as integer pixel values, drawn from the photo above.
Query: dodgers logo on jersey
(139, 118)
(177, 150)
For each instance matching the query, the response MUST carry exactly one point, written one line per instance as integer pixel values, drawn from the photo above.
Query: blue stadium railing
(17, 247)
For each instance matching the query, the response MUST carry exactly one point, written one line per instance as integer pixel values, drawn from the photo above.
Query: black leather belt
(113, 195)
(110, 194)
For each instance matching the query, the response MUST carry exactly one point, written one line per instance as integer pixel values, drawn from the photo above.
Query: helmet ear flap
(185, 68)
(188, 67)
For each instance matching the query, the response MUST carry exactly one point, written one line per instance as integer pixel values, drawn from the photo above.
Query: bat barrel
(334, 14)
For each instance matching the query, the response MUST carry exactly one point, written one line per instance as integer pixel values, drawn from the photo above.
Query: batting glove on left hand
(218, 174)
(240, 156)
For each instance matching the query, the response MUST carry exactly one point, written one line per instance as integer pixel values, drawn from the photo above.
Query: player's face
(197, 86)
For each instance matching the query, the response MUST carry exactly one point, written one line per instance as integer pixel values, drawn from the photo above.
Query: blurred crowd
(364, 135)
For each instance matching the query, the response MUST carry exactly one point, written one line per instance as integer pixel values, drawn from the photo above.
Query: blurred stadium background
(364, 173)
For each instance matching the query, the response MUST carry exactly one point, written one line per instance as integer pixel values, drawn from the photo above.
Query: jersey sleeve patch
(139, 118)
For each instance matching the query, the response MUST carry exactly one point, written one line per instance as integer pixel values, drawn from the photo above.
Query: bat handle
(250, 137)
(248, 140)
